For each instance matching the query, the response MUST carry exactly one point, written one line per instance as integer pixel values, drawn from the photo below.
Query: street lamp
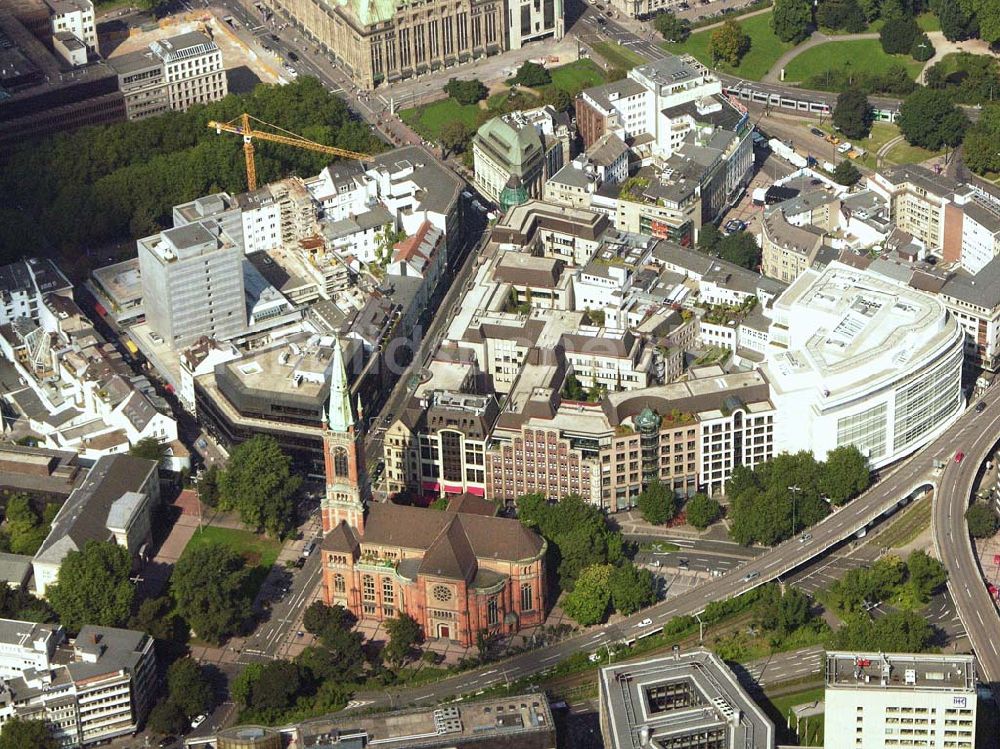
(794, 490)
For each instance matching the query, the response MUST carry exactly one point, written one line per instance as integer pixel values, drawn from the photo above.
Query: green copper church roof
(371, 12)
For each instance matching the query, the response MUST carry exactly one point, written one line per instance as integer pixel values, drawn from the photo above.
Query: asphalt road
(975, 607)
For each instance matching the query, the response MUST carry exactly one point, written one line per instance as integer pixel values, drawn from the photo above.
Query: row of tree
(739, 247)
(919, 577)
(777, 499)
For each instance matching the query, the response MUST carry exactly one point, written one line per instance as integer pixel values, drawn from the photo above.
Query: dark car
(292, 56)
(817, 132)
(980, 407)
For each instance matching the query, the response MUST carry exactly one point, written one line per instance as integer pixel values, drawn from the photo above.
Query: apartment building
(787, 249)
(540, 228)
(90, 690)
(379, 43)
(172, 74)
(514, 154)
(192, 283)
(24, 285)
(888, 700)
(75, 17)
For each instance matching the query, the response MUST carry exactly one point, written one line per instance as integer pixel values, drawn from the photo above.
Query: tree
(404, 635)
(979, 148)
(657, 503)
(841, 14)
(588, 602)
(845, 473)
(25, 528)
(956, 23)
(157, 618)
(208, 486)
(632, 588)
(987, 12)
(558, 98)
(853, 114)
(845, 173)
(782, 612)
(897, 36)
(277, 686)
(532, 75)
(319, 617)
(167, 718)
(93, 587)
(259, 483)
(209, 584)
(926, 573)
(346, 649)
(188, 687)
(928, 118)
(454, 136)
(729, 43)
(701, 511)
(792, 20)
(922, 49)
(19, 733)
(983, 522)
(672, 28)
(896, 632)
(466, 92)
(149, 448)
(709, 237)
(740, 248)
(321, 664)
(241, 687)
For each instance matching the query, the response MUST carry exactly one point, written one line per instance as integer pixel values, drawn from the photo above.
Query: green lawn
(577, 76)
(619, 56)
(928, 22)
(259, 552)
(904, 153)
(430, 118)
(779, 708)
(873, 28)
(863, 55)
(765, 48)
(882, 133)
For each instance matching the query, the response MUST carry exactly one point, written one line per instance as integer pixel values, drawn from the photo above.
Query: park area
(428, 119)
(765, 48)
(882, 132)
(862, 55)
(259, 552)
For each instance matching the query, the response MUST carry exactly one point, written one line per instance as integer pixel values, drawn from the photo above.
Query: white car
(197, 721)
(645, 622)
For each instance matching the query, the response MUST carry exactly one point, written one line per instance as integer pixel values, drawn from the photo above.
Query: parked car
(197, 721)
(735, 225)
(817, 132)
(980, 407)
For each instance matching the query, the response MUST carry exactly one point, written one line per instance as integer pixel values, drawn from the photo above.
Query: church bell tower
(343, 450)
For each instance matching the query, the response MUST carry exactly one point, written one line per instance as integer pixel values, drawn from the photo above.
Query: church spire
(341, 416)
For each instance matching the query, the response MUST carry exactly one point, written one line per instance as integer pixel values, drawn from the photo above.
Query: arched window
(492, 612)
(368, 587)
(338, 584)
(340, 461)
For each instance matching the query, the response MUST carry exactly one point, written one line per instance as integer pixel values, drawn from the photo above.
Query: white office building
(892, 700)
(855, 358)
(75, 17)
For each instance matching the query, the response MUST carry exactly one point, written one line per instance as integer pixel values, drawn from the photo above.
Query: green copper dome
(647, 421)
(513, 194)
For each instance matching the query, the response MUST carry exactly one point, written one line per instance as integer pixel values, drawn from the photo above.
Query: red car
(958, 456)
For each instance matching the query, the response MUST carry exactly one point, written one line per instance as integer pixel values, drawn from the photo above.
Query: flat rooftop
(946, 673)
(675, 696)
(122, 282)
(519, 718)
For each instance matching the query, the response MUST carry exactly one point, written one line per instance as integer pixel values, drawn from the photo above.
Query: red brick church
(455, 572)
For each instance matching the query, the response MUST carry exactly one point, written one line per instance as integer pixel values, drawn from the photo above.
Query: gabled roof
(342, 538)
(451, 555)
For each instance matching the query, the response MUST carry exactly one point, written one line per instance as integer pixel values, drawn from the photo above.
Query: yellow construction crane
(242, 125)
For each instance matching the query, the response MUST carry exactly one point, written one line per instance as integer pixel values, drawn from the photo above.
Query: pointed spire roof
(341, 417)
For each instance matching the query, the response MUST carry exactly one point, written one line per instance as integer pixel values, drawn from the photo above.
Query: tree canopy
(18, 733)
(845, 173)
(792, 20)
(93, 587)
(188, 687)
(983, 521)
(740, 248)
(896, 632)
(589, 601)
(729, 43)
(632, 588)
(404, 635)
(23, 525)
(532, 75)
(979, 149)
(709, 237)
(209, 584)
(701, 511)
(258, 482)
(672, 28)
(897, 36)
(657, 503)
(466, 92)
(929, 119)
(149, 448)
(845, 15)
(853, 114)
